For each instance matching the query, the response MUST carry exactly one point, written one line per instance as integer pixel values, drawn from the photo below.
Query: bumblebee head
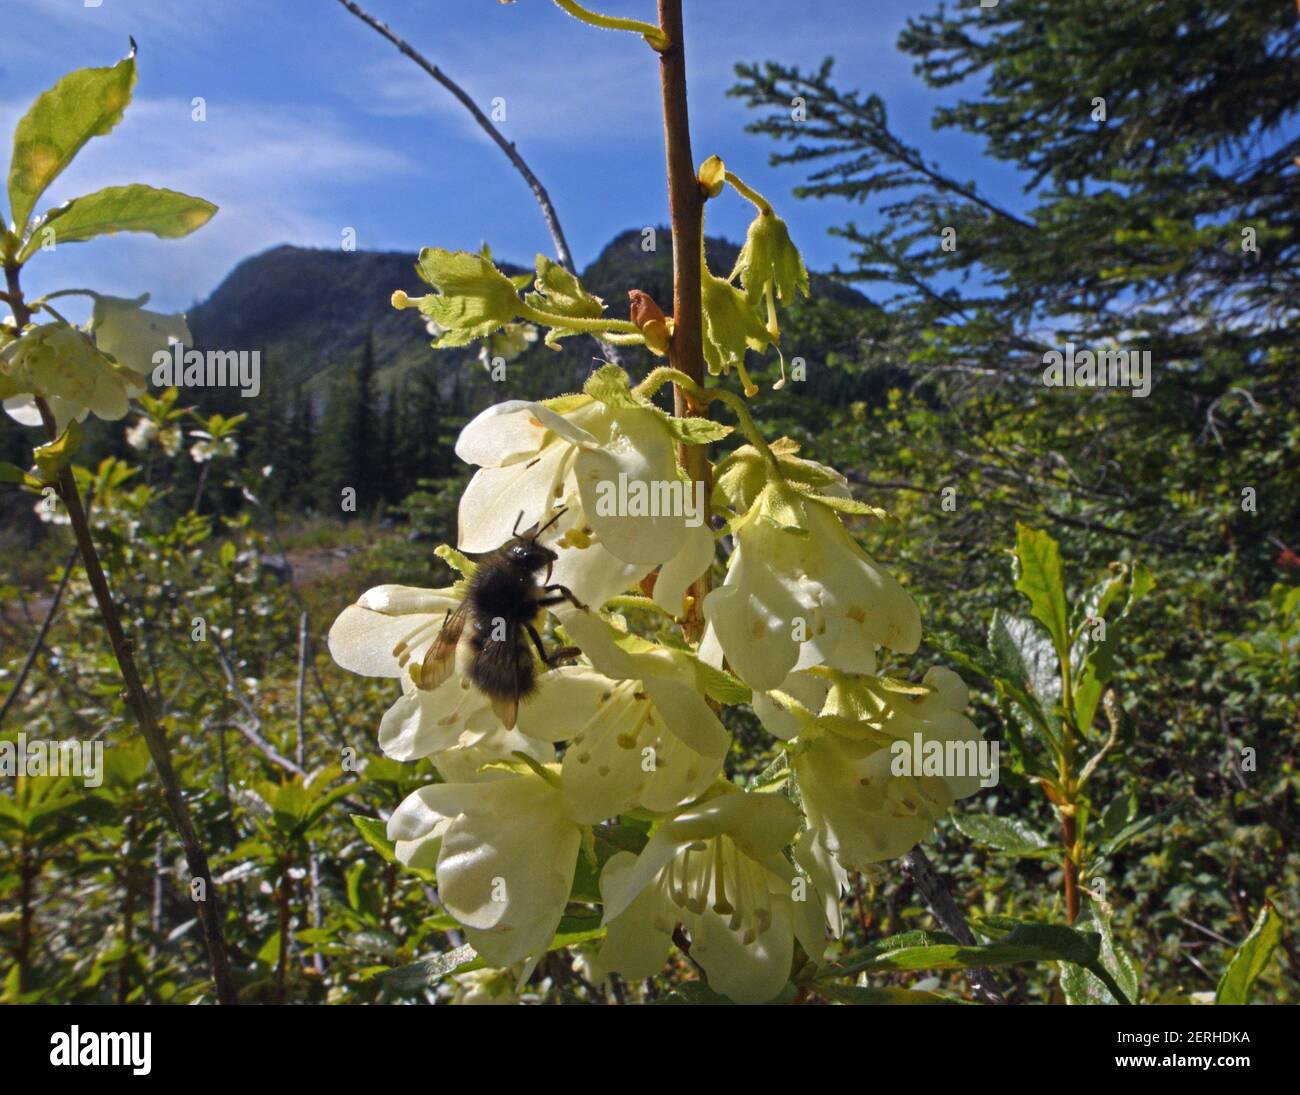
(524, 550)
(527, 553)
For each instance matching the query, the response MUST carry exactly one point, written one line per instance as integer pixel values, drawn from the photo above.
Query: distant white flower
(141, 434)
(208, 447)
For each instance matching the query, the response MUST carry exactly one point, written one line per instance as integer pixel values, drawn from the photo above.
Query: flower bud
(650, 318)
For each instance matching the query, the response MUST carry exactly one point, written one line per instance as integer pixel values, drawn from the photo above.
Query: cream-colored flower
(862, 806)
(718, 869)
(611, 463)
(640, 734)
(505, 851)
(60, 364)
(800, 591)
(131, 335)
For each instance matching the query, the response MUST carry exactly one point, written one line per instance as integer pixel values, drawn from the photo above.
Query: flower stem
(587, 324)
(762, 204)
(209, 909)
(704, 396)
(652, 34)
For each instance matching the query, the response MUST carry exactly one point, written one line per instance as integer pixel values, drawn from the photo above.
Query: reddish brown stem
(686, 208)
(1071, 870)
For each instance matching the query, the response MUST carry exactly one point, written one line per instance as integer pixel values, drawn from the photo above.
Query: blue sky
(315, 124)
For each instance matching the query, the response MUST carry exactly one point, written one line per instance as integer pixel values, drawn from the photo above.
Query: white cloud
(275, 173)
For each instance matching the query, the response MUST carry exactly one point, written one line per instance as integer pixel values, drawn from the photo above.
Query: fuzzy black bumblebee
(501, 607)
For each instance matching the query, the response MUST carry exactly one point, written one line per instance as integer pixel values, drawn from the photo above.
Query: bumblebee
(501, 608)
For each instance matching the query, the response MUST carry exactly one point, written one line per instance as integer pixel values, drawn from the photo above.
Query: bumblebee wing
(507, 710)
(439, 659)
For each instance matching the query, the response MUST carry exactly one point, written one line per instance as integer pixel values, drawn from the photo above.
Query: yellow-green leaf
(86, 103)
(168, 214)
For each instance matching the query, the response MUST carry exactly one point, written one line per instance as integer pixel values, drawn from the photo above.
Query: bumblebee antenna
(558, 514)
(515, 531)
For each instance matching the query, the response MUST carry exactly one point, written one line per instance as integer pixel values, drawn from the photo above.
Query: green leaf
(1024, 661)
(375, 833)
(861, 994)
(52, 457)
(1006, 835)
(84, 104)
(560, 293)
(428, 971)
(269, 955)
(168, 214)
(1080, 985)
(1039, 579)
(474, 298)
(1249, 960)
(1027, 943)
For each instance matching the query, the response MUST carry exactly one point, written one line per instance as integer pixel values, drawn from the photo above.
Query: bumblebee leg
(537, 641)
(559, 594)
(558, 655)
(561, 654)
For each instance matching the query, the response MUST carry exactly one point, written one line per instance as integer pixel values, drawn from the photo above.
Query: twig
(302, 680)
(39, 641)
(210, 908)
(484, 122)
(922, 873)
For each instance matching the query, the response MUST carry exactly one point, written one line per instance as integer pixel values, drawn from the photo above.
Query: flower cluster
(609, 783)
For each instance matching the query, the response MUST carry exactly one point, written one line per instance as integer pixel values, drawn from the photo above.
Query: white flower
(58, 363)
(799, 591)
(131, 335)
(640, 733)
(208, 447)
(717, 868)
(534, 459)
(141, 434)
(859, 810)
(505, 851)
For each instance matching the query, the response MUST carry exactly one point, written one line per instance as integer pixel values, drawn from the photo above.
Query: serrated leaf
(1009, 836)
(1080, 985)
(1039, 578)
(1024, 658)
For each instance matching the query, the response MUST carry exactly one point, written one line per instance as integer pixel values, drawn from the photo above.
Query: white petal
(676, 575)
(512, 431)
